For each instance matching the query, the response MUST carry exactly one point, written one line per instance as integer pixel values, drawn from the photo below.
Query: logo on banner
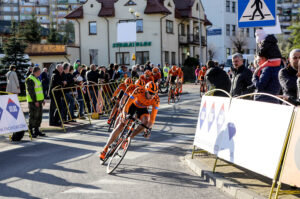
(231, 130)
(202, 115)
(12, 108)
(220, 118)
(211, 117)
(1, 111)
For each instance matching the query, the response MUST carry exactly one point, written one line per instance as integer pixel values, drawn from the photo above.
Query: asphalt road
(67, 165)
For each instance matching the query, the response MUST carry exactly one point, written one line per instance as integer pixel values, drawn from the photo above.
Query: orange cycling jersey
(138, 98)
(122, 87)
(157, 76)
(173, 73)
(202, 74)
(146, 80)
(180, 73)
(130, 89)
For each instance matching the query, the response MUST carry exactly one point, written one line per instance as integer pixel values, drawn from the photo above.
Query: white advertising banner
(252, 135)
(126, 32)
(11, 116)
(212, 118)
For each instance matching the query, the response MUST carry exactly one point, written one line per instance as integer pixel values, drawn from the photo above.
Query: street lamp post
(135, 15)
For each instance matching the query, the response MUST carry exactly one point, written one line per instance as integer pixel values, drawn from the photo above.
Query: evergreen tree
(14, 49)
(32, 30)
(53, 35)
(295, 39)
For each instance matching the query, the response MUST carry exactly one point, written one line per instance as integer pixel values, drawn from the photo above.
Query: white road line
(85, 190)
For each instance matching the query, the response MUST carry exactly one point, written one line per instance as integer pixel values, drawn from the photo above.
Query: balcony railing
(189, 39)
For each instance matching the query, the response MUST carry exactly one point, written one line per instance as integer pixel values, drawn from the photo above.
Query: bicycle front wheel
(118, 156)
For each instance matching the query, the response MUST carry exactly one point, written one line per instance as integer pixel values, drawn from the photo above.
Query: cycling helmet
(151, 88)
(140, 82)
(204, 68)
(174, 68)
(155, 70)
(148, 73)
(128, 81)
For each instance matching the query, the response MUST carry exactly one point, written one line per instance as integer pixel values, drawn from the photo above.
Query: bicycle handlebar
(137, 121)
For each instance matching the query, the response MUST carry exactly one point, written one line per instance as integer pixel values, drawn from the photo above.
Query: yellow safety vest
(166, 71)
(38, 88)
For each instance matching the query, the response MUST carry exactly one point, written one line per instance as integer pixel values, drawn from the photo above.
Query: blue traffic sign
(256, 13)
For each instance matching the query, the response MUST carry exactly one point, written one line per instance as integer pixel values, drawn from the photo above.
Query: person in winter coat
(217, 78)
(241, 76)
(288, 76)
(265, 77)
(56, 82)
(13, 85)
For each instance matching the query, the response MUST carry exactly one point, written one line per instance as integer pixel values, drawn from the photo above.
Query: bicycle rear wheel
(118, 156)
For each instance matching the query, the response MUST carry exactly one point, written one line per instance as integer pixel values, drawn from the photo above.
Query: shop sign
(132, 44)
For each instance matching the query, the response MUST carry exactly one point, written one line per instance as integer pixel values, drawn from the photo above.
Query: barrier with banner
(11, 115)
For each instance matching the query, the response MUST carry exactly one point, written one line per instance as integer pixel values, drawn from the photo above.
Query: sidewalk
(238, 182)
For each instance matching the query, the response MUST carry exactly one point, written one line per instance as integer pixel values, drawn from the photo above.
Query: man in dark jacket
(265, 77)
(68, 77)
(241, 76)
(217, 78)
(56, 81)
(288, 76)
(93, 77)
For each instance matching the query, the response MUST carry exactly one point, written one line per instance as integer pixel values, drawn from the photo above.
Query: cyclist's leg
(145, 120)
(114, 110)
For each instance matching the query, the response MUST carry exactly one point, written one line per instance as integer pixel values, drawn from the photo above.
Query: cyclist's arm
(116, 92)
(154, 112)
(128, 104)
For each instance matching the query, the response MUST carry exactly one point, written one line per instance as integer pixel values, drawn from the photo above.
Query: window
(167, 56)
(248, 32)
(173, 58)
(7, 17)
(228, 52)
(169, 26)
(93, 56)
(242, 32)
(142, 57)
(139, 25)
(233, 7)
(233, 30)
(227, 29)
(227, 6)
(182, 29)
(92, 28)
(123, 58)
(6, 9)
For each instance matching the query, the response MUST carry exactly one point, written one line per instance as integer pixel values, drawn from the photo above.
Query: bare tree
(211, 52)
(239, 42)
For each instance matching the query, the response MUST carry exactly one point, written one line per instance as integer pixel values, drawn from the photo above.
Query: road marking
(85, 190)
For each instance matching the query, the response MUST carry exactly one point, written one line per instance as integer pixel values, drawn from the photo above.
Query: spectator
(29, 71)
(77, 71)
(134, 73)
(161, 71)
(93, 77)
(166, 70)
(110, 71)
(116, 74)
(123, 72)
(76, 64)
(241, 76)
(69, 78)
(265, 78)
(217, 78)
(148, 66)
(288, 76)
(13, 85)
(45, 81)
(197, 74)
(56, 81)
(35, 99)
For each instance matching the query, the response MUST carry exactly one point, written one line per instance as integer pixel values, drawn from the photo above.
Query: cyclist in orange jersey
(147, 77)
(180, 81)
(138, 104)
(156, 75)
(173, 75)
(117, 96)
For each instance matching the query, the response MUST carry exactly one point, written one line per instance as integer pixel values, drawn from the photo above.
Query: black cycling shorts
(173, 78)
(138, 111)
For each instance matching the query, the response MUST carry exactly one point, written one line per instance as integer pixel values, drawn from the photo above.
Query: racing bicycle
(119, 148)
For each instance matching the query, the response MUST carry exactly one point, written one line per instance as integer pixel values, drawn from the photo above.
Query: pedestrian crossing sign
(256, 13)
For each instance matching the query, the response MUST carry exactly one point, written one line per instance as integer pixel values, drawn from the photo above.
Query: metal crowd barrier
(96, 99)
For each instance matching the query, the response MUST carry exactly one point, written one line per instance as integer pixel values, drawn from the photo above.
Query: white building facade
(224, 32)
(167, 31)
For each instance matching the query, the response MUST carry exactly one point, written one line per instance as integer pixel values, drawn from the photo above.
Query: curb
(214, 179)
